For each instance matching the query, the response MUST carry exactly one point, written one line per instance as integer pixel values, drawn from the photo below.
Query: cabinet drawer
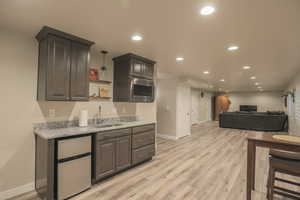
(73, 147)
(142, 154)
(145, 128)
(142, 139)
(113, 134)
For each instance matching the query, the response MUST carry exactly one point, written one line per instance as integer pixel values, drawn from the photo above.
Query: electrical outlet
(51, 112)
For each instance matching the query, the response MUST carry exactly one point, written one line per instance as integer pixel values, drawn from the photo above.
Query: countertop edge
(49, 134)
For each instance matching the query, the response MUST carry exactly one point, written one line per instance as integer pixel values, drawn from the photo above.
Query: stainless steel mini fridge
(73, 166)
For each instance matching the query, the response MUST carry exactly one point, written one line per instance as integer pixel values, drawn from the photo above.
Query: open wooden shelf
(101, 81)
(99, 98)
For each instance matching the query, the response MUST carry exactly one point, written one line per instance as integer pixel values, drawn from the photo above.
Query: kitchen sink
(107, 125)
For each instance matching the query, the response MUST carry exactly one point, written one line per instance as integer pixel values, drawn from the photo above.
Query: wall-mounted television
(248, 108)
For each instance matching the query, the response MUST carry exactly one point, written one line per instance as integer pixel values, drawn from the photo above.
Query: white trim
(167, 137)
(200, 122)
(204, 121)
(29, 187)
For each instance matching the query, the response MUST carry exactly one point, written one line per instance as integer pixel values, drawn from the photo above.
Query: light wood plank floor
(209, 165)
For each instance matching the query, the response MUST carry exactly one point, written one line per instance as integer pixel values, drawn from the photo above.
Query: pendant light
(103, 67)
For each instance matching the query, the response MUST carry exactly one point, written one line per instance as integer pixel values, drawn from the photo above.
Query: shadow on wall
(125, 109)
(53, 111)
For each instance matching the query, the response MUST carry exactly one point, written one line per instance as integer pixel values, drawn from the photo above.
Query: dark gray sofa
(259, 121)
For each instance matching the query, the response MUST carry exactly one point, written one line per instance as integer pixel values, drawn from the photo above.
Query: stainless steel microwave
(141, 90)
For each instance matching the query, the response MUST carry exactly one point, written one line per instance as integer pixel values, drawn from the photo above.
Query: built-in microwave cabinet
(134, 65)
(63, 66)
(127, 68)
(142, 69)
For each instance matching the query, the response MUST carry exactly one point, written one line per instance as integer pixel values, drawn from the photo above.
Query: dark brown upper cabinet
(63, 66)
(133, 79)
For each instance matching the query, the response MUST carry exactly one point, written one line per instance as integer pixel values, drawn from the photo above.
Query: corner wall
(294, 114)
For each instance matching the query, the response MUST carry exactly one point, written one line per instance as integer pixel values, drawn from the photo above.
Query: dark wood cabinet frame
(62, 66)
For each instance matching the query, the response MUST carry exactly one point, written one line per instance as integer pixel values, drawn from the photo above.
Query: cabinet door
(58, 70)
(142, 154)
(123, 158)
(137, 68)
(79, 72)
(105, 158)
(149, 70)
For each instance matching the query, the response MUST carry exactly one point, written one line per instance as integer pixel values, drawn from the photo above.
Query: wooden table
(263, 139)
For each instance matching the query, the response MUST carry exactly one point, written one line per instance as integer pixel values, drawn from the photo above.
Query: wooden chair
(287, 163)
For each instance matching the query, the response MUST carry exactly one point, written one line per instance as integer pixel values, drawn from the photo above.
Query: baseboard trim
(29, 187)
(200, 122)
(167, 137)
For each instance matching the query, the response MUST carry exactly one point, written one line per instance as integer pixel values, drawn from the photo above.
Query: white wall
(19, 108)
(294, 111)
(175, 100)
(265, 101)
(201, 106)
(183, 110)
(166, 107)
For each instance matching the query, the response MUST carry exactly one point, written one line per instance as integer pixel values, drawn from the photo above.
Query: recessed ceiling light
(256, 83)
(222, 80)
(253, 77)
(246, 67)
(136, 38)
(206, 72)
(259, 87)
(207, 10)
(232, 48)
(179, 59)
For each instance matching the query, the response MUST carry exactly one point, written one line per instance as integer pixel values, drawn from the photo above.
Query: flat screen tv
(248, 108)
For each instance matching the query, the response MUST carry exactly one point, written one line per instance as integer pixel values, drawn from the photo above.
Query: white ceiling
(267, 32)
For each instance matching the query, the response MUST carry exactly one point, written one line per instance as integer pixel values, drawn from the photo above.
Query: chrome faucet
(98, 115)
(99, 112)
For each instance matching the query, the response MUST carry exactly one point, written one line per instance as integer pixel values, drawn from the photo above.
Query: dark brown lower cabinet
(105, 158)
(112, 155)
(142, 154)
(123, 153)
(118, 150)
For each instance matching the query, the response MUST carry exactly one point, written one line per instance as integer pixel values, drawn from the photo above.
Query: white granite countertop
(48, 133)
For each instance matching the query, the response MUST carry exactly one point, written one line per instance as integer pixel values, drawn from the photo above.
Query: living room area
(260, 111)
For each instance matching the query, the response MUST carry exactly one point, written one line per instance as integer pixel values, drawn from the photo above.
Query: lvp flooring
(208, 165)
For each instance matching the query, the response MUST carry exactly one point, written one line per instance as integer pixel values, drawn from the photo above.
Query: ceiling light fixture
(206, 72)
(256, 83)
(207, 10)
(136, 38)
(252, 77)
(179, 59)
(222, 80)
(246, 67)
(232, 48)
